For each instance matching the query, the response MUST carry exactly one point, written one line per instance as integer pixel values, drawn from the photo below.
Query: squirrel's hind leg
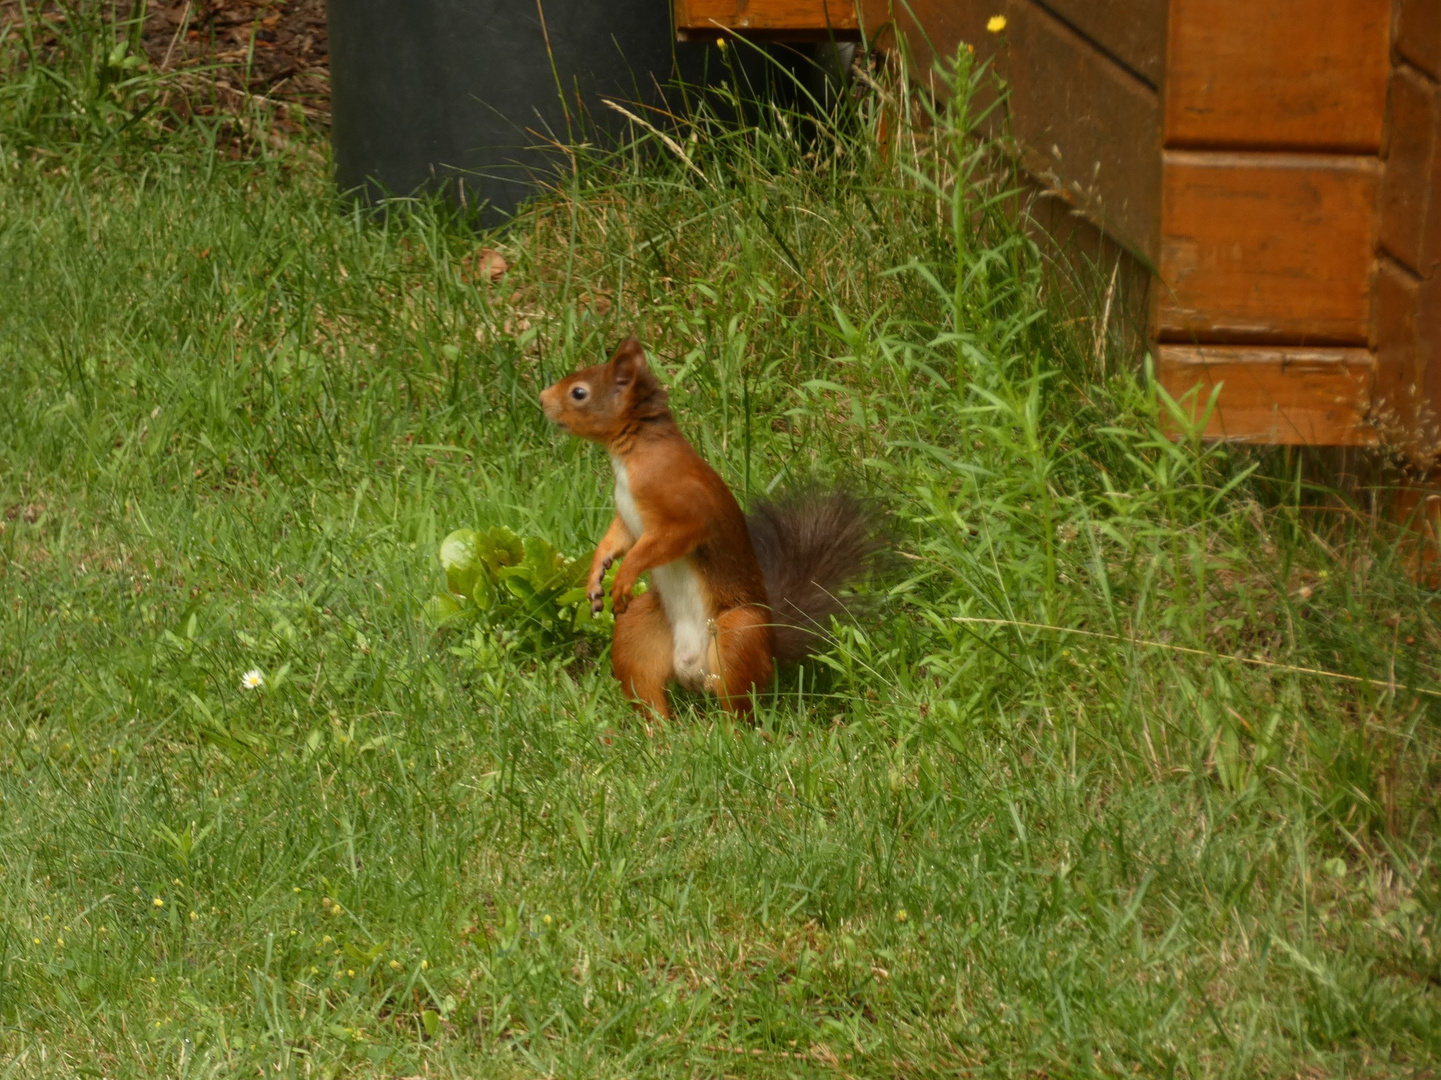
(643, 654)
(739, 657)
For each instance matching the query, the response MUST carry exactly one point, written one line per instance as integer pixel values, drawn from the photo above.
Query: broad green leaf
(441, 609)
(460, 557)
(501, 547)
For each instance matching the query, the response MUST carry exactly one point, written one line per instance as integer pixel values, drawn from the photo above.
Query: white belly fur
(680, 592)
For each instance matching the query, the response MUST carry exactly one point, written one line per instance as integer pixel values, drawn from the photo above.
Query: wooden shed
(1272, 169)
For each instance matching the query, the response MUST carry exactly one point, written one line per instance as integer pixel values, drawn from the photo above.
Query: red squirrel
(730, 595)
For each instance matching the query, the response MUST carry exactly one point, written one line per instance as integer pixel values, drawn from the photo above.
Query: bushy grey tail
(811, 546)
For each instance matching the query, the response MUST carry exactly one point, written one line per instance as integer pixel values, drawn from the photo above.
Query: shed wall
(1278, 165)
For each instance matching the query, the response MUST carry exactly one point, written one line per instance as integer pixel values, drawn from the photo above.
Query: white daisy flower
(252, 680)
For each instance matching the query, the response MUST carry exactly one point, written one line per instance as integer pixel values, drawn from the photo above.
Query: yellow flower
(350, 971)
(424, 964)
(545, 919)
(36, 940)
(193, 916)
(158, 902)
(720, 43)
(60, 942)
(902, 915)
(996, 24)
(395, 965)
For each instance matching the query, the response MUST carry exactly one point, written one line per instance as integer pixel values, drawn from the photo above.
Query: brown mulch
(276, 49)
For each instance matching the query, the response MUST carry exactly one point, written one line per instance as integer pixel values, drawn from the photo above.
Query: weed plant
(1132, 770)
(74, 74)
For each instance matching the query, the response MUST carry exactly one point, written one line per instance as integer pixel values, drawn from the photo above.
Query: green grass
(1009, 826)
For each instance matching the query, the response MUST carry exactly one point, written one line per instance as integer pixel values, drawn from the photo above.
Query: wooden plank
(1088, 128)
(1106, 278)
(1396, 396)
(932, 29)
(1288, 397)
(1406, 407)
(1418, 506)
(1266, 248)
(1278, 75)
(1411, 187)
(1132, 31)
(1418, 34)
(814, 20)
(1428, 369)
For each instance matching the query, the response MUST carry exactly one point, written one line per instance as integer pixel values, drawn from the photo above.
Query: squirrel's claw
(619, 601)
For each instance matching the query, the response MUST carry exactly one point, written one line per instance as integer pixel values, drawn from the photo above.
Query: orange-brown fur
(688, 517)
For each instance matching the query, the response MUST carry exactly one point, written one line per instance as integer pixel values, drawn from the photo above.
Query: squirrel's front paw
(595, 587)
(619, 601)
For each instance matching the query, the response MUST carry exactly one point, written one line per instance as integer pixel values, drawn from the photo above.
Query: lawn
(1128, 766)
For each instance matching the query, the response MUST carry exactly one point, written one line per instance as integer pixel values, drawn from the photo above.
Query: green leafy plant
(495, 578)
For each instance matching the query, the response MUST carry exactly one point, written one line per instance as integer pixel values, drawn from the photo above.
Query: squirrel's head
(599, 402)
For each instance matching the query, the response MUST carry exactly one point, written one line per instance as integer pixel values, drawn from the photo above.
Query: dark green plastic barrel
(461, 96)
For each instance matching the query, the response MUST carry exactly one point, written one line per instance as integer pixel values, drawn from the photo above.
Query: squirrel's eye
(579, 393)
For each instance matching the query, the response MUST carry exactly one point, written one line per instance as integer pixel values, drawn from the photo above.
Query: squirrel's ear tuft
(627, 363)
